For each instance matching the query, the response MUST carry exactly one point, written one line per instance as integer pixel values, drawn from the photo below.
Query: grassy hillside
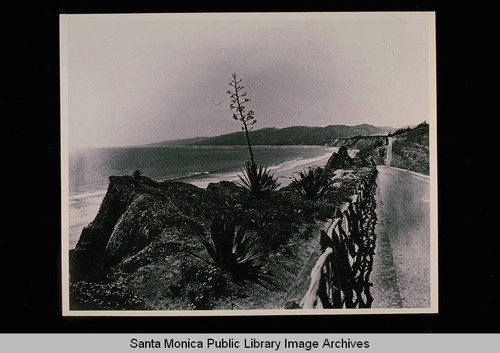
(410, 149)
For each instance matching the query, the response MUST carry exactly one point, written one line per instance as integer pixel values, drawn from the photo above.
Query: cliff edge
(141, 251)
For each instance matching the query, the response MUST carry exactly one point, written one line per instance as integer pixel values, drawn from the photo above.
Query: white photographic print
(248, 163)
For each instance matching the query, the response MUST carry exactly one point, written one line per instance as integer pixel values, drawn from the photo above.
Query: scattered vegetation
(202, 286)
(239, 236)
(410, 150)
(423, 125)
(115, 295)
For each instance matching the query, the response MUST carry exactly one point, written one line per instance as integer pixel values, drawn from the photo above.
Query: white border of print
(429, 16)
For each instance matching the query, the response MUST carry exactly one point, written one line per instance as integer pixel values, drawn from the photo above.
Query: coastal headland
(142, 251)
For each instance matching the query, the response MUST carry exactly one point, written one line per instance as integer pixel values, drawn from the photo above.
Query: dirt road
(401, 267)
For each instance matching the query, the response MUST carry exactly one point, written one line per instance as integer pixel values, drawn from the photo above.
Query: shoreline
(84, 207)
(283, 171)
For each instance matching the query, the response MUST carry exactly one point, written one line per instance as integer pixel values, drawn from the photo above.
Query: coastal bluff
(133, 219)
(139, 243)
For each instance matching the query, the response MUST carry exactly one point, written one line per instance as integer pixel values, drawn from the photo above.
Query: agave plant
(233, 251)
(312, 184)
(257, 179)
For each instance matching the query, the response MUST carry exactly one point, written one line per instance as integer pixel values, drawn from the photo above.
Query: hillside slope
(294, 135)
(410, 149)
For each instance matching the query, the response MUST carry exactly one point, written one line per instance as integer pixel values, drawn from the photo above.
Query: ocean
(89, 170)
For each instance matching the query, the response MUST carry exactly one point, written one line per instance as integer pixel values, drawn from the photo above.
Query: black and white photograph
(248, 163)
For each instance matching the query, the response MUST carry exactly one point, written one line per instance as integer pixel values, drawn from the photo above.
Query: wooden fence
(340, 278)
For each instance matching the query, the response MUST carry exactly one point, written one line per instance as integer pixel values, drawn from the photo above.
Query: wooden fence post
(311, 296)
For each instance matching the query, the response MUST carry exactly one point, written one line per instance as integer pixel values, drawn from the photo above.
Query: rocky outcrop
(87, 257)
(375, 146)
(339, 160)
(140, 218)
(342, 160)
(131, 217)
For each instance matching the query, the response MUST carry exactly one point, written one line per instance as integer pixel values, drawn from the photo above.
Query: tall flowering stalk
(238, 100)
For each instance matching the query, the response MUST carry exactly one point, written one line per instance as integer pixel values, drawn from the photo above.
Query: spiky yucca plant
(257, 180)
(233, 251)
(312, 184)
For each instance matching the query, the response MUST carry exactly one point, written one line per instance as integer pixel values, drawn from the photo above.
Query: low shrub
(104, 296)
(136, 176)
(202, 285)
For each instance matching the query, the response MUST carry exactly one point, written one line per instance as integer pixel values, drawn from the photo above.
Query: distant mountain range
(294, 135)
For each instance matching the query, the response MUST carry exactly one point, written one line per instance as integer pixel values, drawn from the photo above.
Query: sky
(137, 79)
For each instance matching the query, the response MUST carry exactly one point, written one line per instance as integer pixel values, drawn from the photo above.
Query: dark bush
(275, 217)
(312, 184)
(136, 176)
(234, 251)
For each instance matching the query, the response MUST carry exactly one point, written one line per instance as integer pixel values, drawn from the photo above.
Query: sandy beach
(283, 171)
